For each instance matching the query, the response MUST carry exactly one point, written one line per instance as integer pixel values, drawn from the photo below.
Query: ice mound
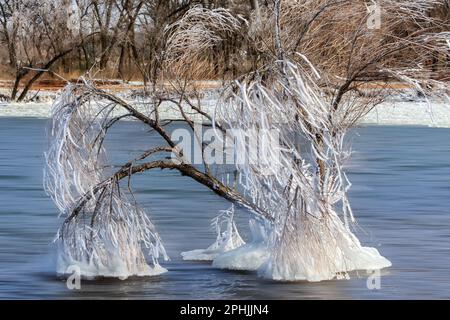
(226, 240)
(248, 256)
(338, 253)
(362, 258)
(320, 251)
(115, 268)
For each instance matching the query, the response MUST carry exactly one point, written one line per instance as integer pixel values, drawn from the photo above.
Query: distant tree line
(126, 39)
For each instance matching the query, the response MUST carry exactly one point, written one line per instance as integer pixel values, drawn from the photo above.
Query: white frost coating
(301, 183)
(255, 256)
(104, 231)
(226, 240)
(250, 256)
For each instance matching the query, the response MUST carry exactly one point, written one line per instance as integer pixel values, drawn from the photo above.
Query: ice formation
(226, 240)
(302, 183)
(400, 112)
(104, 229)
(299, 184)
(297, 191)
(250, 256)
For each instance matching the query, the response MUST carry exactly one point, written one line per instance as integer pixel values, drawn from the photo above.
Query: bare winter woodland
(128, 39)
(302, 68)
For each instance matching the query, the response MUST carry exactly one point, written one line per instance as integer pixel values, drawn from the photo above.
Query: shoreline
(404, 109)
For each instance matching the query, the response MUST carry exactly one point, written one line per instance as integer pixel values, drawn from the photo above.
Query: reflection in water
(400, 194)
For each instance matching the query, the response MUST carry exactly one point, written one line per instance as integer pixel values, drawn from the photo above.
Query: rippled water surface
(400, 195)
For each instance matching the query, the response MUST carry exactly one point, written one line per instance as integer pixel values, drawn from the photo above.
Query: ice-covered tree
(322, 66)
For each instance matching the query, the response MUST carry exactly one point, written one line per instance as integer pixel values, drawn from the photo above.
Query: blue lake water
(400, 196)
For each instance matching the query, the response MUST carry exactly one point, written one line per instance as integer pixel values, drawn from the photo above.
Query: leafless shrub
(194, 36)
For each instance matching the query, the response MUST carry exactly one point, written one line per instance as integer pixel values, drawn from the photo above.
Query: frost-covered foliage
(104, 228)
(196, 33)
(306, 191)
(198, 30)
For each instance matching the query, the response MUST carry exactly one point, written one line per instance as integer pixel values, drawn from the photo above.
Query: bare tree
(38, 36)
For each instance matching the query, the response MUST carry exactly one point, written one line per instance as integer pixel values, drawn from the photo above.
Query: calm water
(400, 194)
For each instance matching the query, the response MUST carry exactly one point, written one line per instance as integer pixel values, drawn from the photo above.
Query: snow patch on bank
(28, 110)
(435, 114)
(167, 110)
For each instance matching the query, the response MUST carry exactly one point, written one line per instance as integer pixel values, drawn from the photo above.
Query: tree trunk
(20, 73)
(121, 66)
